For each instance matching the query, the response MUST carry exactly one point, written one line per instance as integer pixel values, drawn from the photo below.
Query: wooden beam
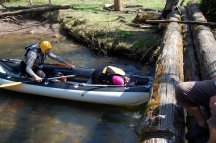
(184, 22)
(164, 120)
(37, 9)
(205, 43)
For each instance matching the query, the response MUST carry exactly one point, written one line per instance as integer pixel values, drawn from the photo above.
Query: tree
(118, 5)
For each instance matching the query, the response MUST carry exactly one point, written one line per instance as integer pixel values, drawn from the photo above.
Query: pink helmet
(117, 80)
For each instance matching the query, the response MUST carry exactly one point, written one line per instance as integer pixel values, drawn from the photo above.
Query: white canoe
(75, 88)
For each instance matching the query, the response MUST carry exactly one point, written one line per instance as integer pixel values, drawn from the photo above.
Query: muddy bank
(107, 33)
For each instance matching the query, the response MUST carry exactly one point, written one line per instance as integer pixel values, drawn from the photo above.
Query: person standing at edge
(35, 56)
(191, 95)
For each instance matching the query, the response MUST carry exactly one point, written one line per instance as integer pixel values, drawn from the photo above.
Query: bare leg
(197, 114)
(212, 138)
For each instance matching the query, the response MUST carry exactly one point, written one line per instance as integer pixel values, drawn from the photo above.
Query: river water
(37, 119)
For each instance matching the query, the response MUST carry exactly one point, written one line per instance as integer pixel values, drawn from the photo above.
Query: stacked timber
(205, 43)
(164, 120)
(191, 70)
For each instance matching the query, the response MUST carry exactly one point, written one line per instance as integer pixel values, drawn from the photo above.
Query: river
(37, 119)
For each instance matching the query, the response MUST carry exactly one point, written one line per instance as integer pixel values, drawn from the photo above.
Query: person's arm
(60, 59)
(31, 56)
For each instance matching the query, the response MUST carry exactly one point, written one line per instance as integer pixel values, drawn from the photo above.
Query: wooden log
(143, 16)
(205, 43)
(37, 9)
(164, 120)
(184, 22)
(11, 8)
(191, 68)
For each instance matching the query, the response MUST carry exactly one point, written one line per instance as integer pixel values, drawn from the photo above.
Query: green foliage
(124, 34)
(208, 7)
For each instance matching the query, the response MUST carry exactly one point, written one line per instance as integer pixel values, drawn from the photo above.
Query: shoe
(196, 131)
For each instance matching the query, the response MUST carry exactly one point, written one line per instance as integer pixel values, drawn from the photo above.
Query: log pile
(191, 70)
(164, 120)
(205, 43)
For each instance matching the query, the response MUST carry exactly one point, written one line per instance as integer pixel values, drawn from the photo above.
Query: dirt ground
(29, 26)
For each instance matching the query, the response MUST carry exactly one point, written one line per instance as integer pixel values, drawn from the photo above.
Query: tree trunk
(30, 2)
(164, 120)
(37, 9)
(50, 2)
(118, 5)
(205, 44)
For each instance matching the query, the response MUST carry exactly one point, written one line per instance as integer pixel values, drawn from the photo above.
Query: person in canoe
(34, 57)
(111, 75)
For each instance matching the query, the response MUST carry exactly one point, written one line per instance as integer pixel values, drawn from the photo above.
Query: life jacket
(40, 55)
(104, 75)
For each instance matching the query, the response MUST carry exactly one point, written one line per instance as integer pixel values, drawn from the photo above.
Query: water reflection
(30, 118)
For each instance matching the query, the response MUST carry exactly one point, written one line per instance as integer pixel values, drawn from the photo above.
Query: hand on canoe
(71, 66)
(38, 79)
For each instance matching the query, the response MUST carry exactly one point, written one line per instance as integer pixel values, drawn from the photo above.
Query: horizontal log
(184, 22)
(24, 7)
(37, 9)
(164, 120)
(205, 43)
(143, 16)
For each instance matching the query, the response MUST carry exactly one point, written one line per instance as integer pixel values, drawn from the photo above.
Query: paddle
(17, 83)
(10, 84)
(101, 85)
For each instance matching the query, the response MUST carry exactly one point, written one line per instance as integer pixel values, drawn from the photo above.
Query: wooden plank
(164, 120)
(205, 43)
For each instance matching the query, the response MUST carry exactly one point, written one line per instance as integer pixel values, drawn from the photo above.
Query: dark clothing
(197, 93)
(23, 69)
(103, 75)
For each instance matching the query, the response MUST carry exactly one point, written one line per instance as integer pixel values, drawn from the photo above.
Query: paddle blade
(10, 84)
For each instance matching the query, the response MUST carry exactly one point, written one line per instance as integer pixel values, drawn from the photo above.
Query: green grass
(96, 5)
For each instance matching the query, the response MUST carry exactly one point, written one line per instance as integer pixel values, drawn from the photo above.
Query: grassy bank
(107, 32)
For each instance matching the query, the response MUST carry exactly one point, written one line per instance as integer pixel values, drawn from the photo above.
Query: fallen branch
(184, 22)
(38, 9)
(24, 7)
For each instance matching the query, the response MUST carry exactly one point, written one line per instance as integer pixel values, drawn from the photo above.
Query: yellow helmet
(44, 45)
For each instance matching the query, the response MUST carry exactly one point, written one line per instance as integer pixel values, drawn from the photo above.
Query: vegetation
(208, 7)
(108, 32)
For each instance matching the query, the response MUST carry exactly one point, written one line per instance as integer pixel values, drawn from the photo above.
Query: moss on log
(164, 120)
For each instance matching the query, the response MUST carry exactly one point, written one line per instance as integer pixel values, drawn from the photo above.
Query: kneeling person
(109, 75)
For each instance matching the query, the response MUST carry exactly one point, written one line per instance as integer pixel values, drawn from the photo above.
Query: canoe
(77, 87)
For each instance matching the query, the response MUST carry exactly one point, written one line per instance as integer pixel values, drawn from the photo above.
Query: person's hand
(71, 66)
(212, 101)
(38, 79)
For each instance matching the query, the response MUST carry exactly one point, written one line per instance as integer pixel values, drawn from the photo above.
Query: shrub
(208, 7)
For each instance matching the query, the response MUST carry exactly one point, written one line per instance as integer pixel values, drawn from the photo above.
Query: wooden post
(30, 2)
(205, 43)
(118, 5)
(164, 120)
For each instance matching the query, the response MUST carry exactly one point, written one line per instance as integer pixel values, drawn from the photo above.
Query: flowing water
(37, 119)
